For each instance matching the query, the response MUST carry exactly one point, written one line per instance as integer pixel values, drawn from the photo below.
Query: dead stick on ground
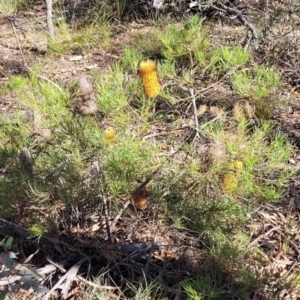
(68, 277)
(240, 17)
(195, 113)
(79, 277)
(143, 184)
(263, 236)
(106, 218)
(118, 216)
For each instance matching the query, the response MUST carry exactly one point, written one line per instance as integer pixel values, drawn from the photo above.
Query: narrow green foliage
(224, 58)
(37, 230)
(127, 160)
(203, 288)
(130, 60)
(167, 69)
(69, 38)
(75, 165)
(257, 83)
(8, 7)
(113, 91)
(260, 157)
(146, 290)
(185, 44)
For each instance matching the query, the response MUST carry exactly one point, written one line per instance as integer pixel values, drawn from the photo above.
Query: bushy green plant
(258, 86)
(167, 69)
(127, 160)
(188, 43)
(224, 58)
(69, 38)
(202, 288)
(8, 7)
(130, 59)
(259, 156)
(255, 84)
(112, 94)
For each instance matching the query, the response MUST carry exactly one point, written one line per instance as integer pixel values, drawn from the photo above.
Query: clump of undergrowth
(203, 287)
(225, 58)
(188, 44)
(70, 39)
(9, 7)
(258, 85)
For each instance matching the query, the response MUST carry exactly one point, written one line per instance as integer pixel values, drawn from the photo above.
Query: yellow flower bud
(147, 70)
(230, 179)
(110, 134)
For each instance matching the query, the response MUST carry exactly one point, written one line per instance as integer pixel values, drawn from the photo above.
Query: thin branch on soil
(69, 276)
(248, 40)
(295, 263)
(295, 248)
(195, 113)
(97, 286)
(143, 184)
(94, 285)
(276, 228)
(118, 216)
(240, 17)
(106, 218)
(23, 232)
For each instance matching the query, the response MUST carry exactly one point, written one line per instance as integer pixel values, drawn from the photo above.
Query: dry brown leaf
(95, 227)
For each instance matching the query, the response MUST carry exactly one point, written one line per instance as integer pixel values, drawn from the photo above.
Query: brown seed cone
(141, 200)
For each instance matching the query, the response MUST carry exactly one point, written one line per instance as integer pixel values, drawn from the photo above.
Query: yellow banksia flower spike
(148, 72)
(110, 135)
(231, 178)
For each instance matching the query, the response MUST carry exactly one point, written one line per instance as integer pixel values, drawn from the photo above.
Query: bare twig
(143, 184)
(79, 277)
(263, 236)
(240, 17)
(294, 246)
(195, 112)
(69, 276)
(248, 40)
(106, 217)
(116, 219)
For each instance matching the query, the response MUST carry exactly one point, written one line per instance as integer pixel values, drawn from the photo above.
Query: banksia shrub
(230, 179)
(148, 72)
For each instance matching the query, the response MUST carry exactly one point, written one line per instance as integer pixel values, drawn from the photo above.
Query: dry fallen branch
(240, 16)
(65, 281)
(276, 228)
